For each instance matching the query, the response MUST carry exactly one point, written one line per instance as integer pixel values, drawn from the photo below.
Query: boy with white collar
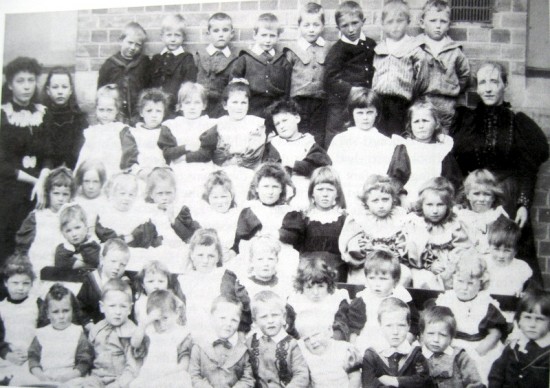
(396, 363)
(214, 62)
(307, 57)
(449, 366)
(173, 66)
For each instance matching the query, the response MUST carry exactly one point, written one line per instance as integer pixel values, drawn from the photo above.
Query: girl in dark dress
(25, 149)
(64, 121)
(508, 144)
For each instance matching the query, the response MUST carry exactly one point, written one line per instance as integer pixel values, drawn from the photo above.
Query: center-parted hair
(59, 177)
(444, 190)
(391, 305)
(219, 178)
(90, 165)
(384, 261)
(328, 175)
(438, 314)
(18, 65)
(111, 91)
(315, 271)
(348, 8)
(206, 237)
(426, 104)
(274, 171)
(71, 103)
(267, 297)
(188, 89)
(504, 233)
(312, 9)
(362, 98)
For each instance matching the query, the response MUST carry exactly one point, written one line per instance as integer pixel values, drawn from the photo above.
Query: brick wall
(504, 40)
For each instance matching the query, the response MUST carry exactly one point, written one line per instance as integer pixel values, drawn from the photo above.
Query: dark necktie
(532, 347)
(169, 54)
(225, 343)
(267, 56)
(393, 362)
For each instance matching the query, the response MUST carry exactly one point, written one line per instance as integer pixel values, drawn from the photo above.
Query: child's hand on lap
(17, 357)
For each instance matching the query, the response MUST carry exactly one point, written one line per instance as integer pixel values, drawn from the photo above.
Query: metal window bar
(475, 11)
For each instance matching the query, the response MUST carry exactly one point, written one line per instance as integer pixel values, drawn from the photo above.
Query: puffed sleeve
(184, 225)
(26, 233)
(129, 149)
(231, 288)
(400, 165)
(64, 258)
(357, 315)
(340, 326)
(293, 229)
(494, 320)
(350, 231)
(103, 233)
(209, 142)
(145, 236)
(84, 355)
(247, 226)
(316, 157)
(169, 145)
(34, 354)
(451, 170)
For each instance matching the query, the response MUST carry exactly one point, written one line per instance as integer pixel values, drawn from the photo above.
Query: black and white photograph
(275, 193)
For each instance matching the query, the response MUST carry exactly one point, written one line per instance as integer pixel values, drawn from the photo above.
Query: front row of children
(456, 342)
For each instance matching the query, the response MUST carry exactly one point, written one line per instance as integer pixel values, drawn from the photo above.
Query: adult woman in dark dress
(25, 149)
(509, 144)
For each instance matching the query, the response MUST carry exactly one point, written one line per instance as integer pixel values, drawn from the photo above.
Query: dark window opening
(473, 11)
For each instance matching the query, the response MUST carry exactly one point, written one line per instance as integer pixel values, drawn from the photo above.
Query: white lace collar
(24, 118)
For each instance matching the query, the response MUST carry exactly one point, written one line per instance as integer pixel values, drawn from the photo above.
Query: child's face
(286, 125)
(436, 337)
(192, 107)
(91, 184)
(131, 45)
(490, 86)
(270, 318)
(395, 26)
(502, 255)
(423, 125)
(167, 321)
(236, 105)
(380, 283)
(123, 196)
(225, 319)
(220, 199)
(172, 39)
(153, 281)
(434, 208)
(534, 325)
(394, 327)
(114, 264)
(324, 196)
(350, 25)
(364, 118)
(60, 313)
(311, 26)
(379, 203)
(19, 286)
(163, 193)
(220, 33)
(152, 114)
(23, 86)
(59, 196)
(59, 89)
(480, 198)
(436, 23)
(263, 263)
(75, 231)
(266, 38)
(316, 338)
(269, 190)
(116, 306)
(106, 110)
(466, 287)
(316, 292)
(204, 258)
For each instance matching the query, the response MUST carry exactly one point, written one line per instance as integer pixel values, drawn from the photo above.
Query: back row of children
(318, 75)
(156, 335)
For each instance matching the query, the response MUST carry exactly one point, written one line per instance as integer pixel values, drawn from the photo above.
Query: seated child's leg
(336, 119)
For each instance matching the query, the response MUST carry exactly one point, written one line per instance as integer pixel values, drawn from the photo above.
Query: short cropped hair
(439, 5)
(437, 314)
(225, 299)
(385, 261)
(390, 305)
(71, 212)
(207, 237)
(396, 7)
(348, 8)
(173, 22)
(267, 297)
(135, 28)
(504, 233)
(312, 9)
(268, 21)
(117, 285)
(529, 302)
(115, 244)
(220, 16)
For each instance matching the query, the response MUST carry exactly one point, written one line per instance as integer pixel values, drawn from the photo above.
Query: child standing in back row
(448, 69)
(265, 67)
(173, 65)
(307, 57)
(348, 65)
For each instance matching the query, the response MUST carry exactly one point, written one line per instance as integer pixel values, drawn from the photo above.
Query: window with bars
(474, 11)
